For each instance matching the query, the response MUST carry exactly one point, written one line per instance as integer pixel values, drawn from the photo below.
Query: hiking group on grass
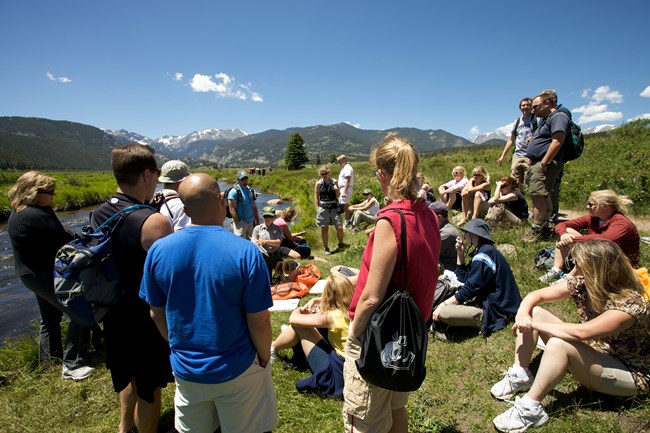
(196, 298)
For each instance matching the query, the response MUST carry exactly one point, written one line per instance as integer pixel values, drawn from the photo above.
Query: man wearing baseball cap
(268, 237)
(366, 211)
(241, 200)
(171, 206)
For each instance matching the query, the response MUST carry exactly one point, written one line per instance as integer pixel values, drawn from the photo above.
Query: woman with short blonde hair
(26, 189)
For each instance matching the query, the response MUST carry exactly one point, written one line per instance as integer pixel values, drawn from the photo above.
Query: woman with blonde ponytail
(396, 166)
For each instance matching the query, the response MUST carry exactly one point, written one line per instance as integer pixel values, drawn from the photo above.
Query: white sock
(529, 402)
(521, 371)
(559, 271)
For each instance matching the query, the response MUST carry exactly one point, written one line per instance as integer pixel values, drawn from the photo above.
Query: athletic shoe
(533, 235)
(273, 357)
(77, 374)
(510, 385)
(551, 276)
(283, 327)
(343, 245)
(327, 251)
(520, 418)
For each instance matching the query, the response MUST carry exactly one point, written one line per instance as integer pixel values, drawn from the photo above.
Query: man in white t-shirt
(345, 184)
(366, 211)
(171, 175)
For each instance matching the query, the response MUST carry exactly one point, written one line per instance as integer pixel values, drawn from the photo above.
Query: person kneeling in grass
(325, 357)
(606, 352)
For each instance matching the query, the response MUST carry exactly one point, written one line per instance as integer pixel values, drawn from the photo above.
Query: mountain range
(27, 143)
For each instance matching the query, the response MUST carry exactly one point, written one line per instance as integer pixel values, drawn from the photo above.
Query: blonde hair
(288, 214)
(483, 171)
(25, 191)
(607, 271)
(458, 168)
(337, 293)
(397, 158)
(323, 168)
(607, 197)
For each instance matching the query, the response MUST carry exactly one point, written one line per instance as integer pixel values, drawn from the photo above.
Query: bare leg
(400, 421)
(452, 199)
(287, 338)
(339, 233)
(464, 209)
(526, 341)
(147, 415)
(309, 337)
(539, 209)
(324, 231)
(128, 400)
(559, 257)
(477, 204)
(348, 212)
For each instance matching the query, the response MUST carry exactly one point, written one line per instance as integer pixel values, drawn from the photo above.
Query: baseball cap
(340, 157)
(241, 174)
(439, 208)
(173, 171)
(367, 191)
(268, 211)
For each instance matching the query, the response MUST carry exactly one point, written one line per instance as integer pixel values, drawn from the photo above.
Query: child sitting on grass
(325, 357)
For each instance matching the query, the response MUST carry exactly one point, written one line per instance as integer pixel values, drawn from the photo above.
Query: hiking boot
(547, 233)
(343, 246)
(520, 418)
(77, 374)
(533, 235)
(510, 385)
(551, 276)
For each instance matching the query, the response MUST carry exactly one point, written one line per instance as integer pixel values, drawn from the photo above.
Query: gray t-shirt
(543, 136)
(448, 235)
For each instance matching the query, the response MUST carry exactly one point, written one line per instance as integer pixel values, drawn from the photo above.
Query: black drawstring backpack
(394, 349)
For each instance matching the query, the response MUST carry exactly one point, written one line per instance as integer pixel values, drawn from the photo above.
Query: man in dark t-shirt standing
(136, 354)
(545, 155)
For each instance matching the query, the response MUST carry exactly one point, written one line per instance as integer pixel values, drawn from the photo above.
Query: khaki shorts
(616, 379)
(499, 213)
(243, 229)
(244, 404)
(542, 183)
(461, 315)
(366, 408)
(328, 217)
(519, 169)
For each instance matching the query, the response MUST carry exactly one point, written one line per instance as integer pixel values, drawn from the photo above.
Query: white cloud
(640, 116)
(64, 80)
(604, 94)
(178, 76)
(224, 86)
(475, 130)
(595, 110)
(646, 92)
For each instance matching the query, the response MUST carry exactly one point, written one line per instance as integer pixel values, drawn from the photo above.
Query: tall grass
(455, 396)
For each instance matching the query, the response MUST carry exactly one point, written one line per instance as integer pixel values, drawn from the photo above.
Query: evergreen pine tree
(332, 158)
(318, 159)
(295, 156)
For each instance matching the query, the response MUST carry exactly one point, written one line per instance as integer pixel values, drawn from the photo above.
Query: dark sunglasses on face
(48, 192)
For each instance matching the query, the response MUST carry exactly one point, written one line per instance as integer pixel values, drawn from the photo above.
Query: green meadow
(455, 396)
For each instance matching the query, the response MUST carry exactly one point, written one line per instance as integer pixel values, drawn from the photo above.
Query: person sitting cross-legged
(607, 351)
(268, 237)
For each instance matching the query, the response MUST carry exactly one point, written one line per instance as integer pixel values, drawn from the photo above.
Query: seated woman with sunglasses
(605, 220)
(606, 352)
(475, 194)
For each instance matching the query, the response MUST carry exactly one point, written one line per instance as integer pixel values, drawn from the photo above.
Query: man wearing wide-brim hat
(489, 297)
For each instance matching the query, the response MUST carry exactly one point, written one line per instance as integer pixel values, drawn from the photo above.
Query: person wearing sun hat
(366, 211)
(489, 297)
(171, 174)
(268, 238)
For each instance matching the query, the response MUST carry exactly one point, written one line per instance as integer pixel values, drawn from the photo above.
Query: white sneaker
(273, 357)
(77, 374)
(520, 418)
(551, 276)
(510, 385)
(283, 327)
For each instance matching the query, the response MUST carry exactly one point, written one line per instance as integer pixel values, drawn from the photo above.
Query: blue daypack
(85, 277)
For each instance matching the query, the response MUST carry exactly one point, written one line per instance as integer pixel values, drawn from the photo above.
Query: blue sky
(170, 67)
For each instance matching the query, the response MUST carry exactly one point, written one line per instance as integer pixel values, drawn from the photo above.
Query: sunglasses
(48, 192)
(244, 178)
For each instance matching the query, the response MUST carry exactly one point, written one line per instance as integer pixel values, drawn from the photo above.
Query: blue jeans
(77, 339)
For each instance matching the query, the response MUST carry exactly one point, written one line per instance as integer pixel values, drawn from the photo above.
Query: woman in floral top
(606, 352)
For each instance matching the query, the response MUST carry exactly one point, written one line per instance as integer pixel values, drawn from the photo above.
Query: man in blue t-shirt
(211, 303)
(241, 200)
(545, 155)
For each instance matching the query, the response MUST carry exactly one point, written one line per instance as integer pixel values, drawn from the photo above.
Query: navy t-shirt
(543, 136)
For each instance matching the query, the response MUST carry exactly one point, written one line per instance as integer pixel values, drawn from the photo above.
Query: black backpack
(239, 198)
(85, 277)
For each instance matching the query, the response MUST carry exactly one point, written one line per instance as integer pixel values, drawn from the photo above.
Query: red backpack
(309, 275)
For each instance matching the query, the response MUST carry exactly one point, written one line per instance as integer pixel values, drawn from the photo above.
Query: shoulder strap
(516, 124)
(403, 279)
(109, 225)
